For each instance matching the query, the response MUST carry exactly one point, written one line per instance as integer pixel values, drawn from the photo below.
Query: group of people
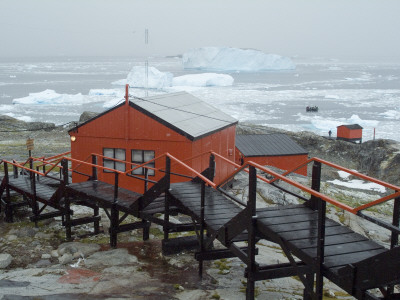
(312, 109)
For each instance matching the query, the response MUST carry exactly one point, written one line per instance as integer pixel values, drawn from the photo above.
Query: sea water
(344, 92)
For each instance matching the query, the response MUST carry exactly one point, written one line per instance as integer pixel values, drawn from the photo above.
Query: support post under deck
(8, 208)
(67, 201)
(202, 248)
(114, 215)
(166, 201)
(251, 228)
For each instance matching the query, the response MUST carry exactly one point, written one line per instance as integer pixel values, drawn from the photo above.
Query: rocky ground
(37, 262)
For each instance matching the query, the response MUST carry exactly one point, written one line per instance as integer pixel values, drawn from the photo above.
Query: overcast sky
(309, 28)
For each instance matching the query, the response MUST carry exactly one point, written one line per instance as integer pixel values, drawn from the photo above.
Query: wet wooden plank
(332, 239)
(349, 258)
(344, 248)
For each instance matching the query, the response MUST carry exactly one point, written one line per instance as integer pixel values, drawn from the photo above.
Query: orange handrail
(311, 191)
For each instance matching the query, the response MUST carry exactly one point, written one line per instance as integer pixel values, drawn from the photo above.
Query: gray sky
(326, 28)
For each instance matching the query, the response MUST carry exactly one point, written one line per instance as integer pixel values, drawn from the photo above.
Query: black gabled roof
(276, 144)
(352, 126)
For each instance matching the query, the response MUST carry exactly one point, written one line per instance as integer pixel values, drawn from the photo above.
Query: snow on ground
(359, 185)
(234, 59)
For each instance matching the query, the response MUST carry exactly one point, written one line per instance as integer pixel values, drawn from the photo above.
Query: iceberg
(49, 97)
(204, 79)
(234, 59)
(137, 78)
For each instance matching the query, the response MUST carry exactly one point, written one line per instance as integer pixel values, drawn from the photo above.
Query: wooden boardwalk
(316, 247)
(295, 229)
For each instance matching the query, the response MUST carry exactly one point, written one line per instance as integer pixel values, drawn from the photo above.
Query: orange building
(350, 133)
(139, 130)
(277, 150)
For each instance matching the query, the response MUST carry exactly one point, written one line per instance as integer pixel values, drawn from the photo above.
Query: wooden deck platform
(102, 193)
(218, 210)
(316, 247)
(296, 226)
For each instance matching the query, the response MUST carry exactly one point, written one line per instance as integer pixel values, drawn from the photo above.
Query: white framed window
(141, 156)
(116, 153)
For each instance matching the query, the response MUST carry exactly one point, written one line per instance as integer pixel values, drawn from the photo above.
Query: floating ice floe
(204, 79)
(49, 97)
(234, 59)
(391, 114)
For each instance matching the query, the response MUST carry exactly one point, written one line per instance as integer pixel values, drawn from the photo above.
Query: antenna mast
(146, 41)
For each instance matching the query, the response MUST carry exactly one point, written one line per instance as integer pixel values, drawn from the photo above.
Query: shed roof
(276, 144)
(182, 112)
(352, 126)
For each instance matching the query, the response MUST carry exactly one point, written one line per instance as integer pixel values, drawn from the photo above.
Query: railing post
(146, 179)
(8, 209)
(96, 224)
(114, 215)
(67, 201)
(251, 229)
(35, 206)
(394, 239)
(320, 248)
(15, 171)
(212, 167)
(202, 202)
(315, 184)
(396, 221)
(166, 202)
(94, 168)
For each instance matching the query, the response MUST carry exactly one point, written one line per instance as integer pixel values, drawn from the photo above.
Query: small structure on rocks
(351, 133)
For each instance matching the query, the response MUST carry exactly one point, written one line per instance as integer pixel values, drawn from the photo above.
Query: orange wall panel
(287, 162)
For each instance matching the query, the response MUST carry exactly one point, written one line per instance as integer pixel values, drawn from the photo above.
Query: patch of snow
(360, 185)
(204, 79)
(234, 59)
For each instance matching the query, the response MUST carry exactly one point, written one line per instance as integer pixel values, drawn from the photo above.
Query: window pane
(120, 154)
(150, 172)
(120, 166)
(109, 152)
(108, 164)
(148, 155)
(137, 156)
(138, 171)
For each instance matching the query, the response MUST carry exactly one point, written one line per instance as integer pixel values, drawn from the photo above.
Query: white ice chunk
(204, 79)
(391, 114)
(234, 59)
(107, 92)
(155, 78)
(49, 97)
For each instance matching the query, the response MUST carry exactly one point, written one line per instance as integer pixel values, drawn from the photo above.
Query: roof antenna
(146, 41)
(127, 94)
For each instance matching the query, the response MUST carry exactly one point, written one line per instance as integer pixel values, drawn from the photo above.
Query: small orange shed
(350, 133)
(139, 130)
(277, 150)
